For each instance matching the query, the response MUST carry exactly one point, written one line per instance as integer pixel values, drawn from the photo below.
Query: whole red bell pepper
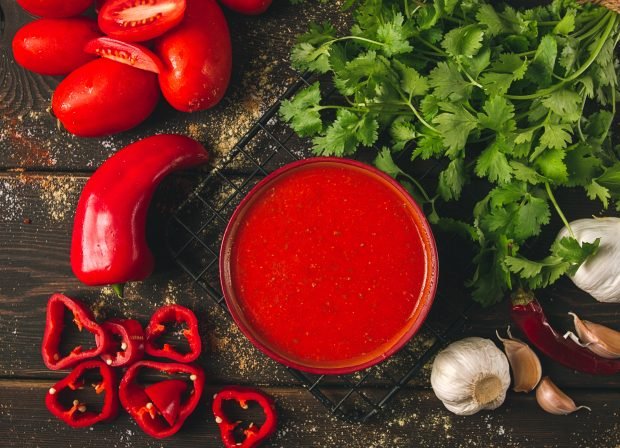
(79, 415)
(54, 325)
(254, 435)
(139, 403)
(109, 245)
(125, 343)
(157, 326)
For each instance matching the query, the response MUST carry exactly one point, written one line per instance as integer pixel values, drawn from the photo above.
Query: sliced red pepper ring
(140, 20)
(136, 55)
(78, 415)
(254, 434)
(157, 327)
(125, 342)
(54, 324)
(166, 397)
(143, 409)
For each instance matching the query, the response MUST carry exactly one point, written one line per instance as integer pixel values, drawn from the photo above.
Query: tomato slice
(166, 397)
(140, 20)
(135, 55)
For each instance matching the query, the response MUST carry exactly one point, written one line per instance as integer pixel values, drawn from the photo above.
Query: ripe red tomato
(104, 97)
(54, 46)
(134, 55)
(136, 20)
(55, 8)
(251, 7)
(196, 57)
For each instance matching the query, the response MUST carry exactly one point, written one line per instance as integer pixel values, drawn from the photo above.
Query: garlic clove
(599, 339)
(524, 363)
(553, 400)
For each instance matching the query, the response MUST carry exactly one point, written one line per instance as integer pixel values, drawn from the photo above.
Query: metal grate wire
(195, 232)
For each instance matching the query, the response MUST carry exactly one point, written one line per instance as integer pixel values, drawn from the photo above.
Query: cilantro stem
(361, 39)
(438, 50)
(611, 22)
(558, 209)
(409, 104)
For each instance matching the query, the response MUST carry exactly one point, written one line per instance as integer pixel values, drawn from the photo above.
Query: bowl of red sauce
(328, 265)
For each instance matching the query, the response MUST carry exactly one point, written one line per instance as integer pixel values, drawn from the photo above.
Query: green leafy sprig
(524, 99)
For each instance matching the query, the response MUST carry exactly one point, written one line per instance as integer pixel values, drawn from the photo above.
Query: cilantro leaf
(345, 134)
(541, 68)
(564, 102)
(551, 164)
(394, 37)
(402, 132)
(463, 42)
(488, 17)
(452, 180)
(428, 146)
(531, 215)
(567, 24)
(303, 111)
(493, 164)
(385, 163)
(455, 126)
(411, 81)
(556, 136)
(498, 115)
(448, 82)
(596, 190)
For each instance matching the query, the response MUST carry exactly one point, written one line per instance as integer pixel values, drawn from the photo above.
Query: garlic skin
(553, 400)
(470, 375)
(525, 365)
(600, 274)
(597, 338)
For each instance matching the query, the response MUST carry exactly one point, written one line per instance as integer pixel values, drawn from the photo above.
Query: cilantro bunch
(524, 99)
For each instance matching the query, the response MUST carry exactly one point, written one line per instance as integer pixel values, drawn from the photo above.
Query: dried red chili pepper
(254, 434)
(527, 313)
(109, 245)
(157, 326)
(130, 341)
(143, 410)
(79, 415)
(54, 324)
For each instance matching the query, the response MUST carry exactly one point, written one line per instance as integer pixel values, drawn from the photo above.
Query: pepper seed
(123, 346)
(193, 377)
(52, 391)
(218, 420)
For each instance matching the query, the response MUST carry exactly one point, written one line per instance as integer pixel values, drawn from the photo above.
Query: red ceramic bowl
(328, 266)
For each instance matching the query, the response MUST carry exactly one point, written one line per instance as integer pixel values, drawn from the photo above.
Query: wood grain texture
(421, 422)
(35, 230)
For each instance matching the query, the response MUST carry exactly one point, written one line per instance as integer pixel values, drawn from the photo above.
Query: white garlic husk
(599, 275)
(471, 375)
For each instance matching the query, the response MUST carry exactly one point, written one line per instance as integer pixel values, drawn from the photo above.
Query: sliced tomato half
(136, 55)
(140, 20)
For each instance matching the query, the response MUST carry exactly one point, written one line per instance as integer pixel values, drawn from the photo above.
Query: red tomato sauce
(328, 265)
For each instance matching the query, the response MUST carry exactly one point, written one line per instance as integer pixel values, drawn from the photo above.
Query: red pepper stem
(522, 297)
(119, 289)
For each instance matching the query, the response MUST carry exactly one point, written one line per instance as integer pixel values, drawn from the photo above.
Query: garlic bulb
(599, 339)
(553, 400)
(525, 365)
(600, 274)
(470, 375)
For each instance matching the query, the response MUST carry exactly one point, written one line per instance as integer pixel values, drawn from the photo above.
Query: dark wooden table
(42, 171)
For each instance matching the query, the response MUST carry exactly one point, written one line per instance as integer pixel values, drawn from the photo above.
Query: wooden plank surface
(42, 171)
(420, 422)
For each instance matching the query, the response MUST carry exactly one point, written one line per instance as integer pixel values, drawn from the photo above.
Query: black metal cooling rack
(195, 232)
